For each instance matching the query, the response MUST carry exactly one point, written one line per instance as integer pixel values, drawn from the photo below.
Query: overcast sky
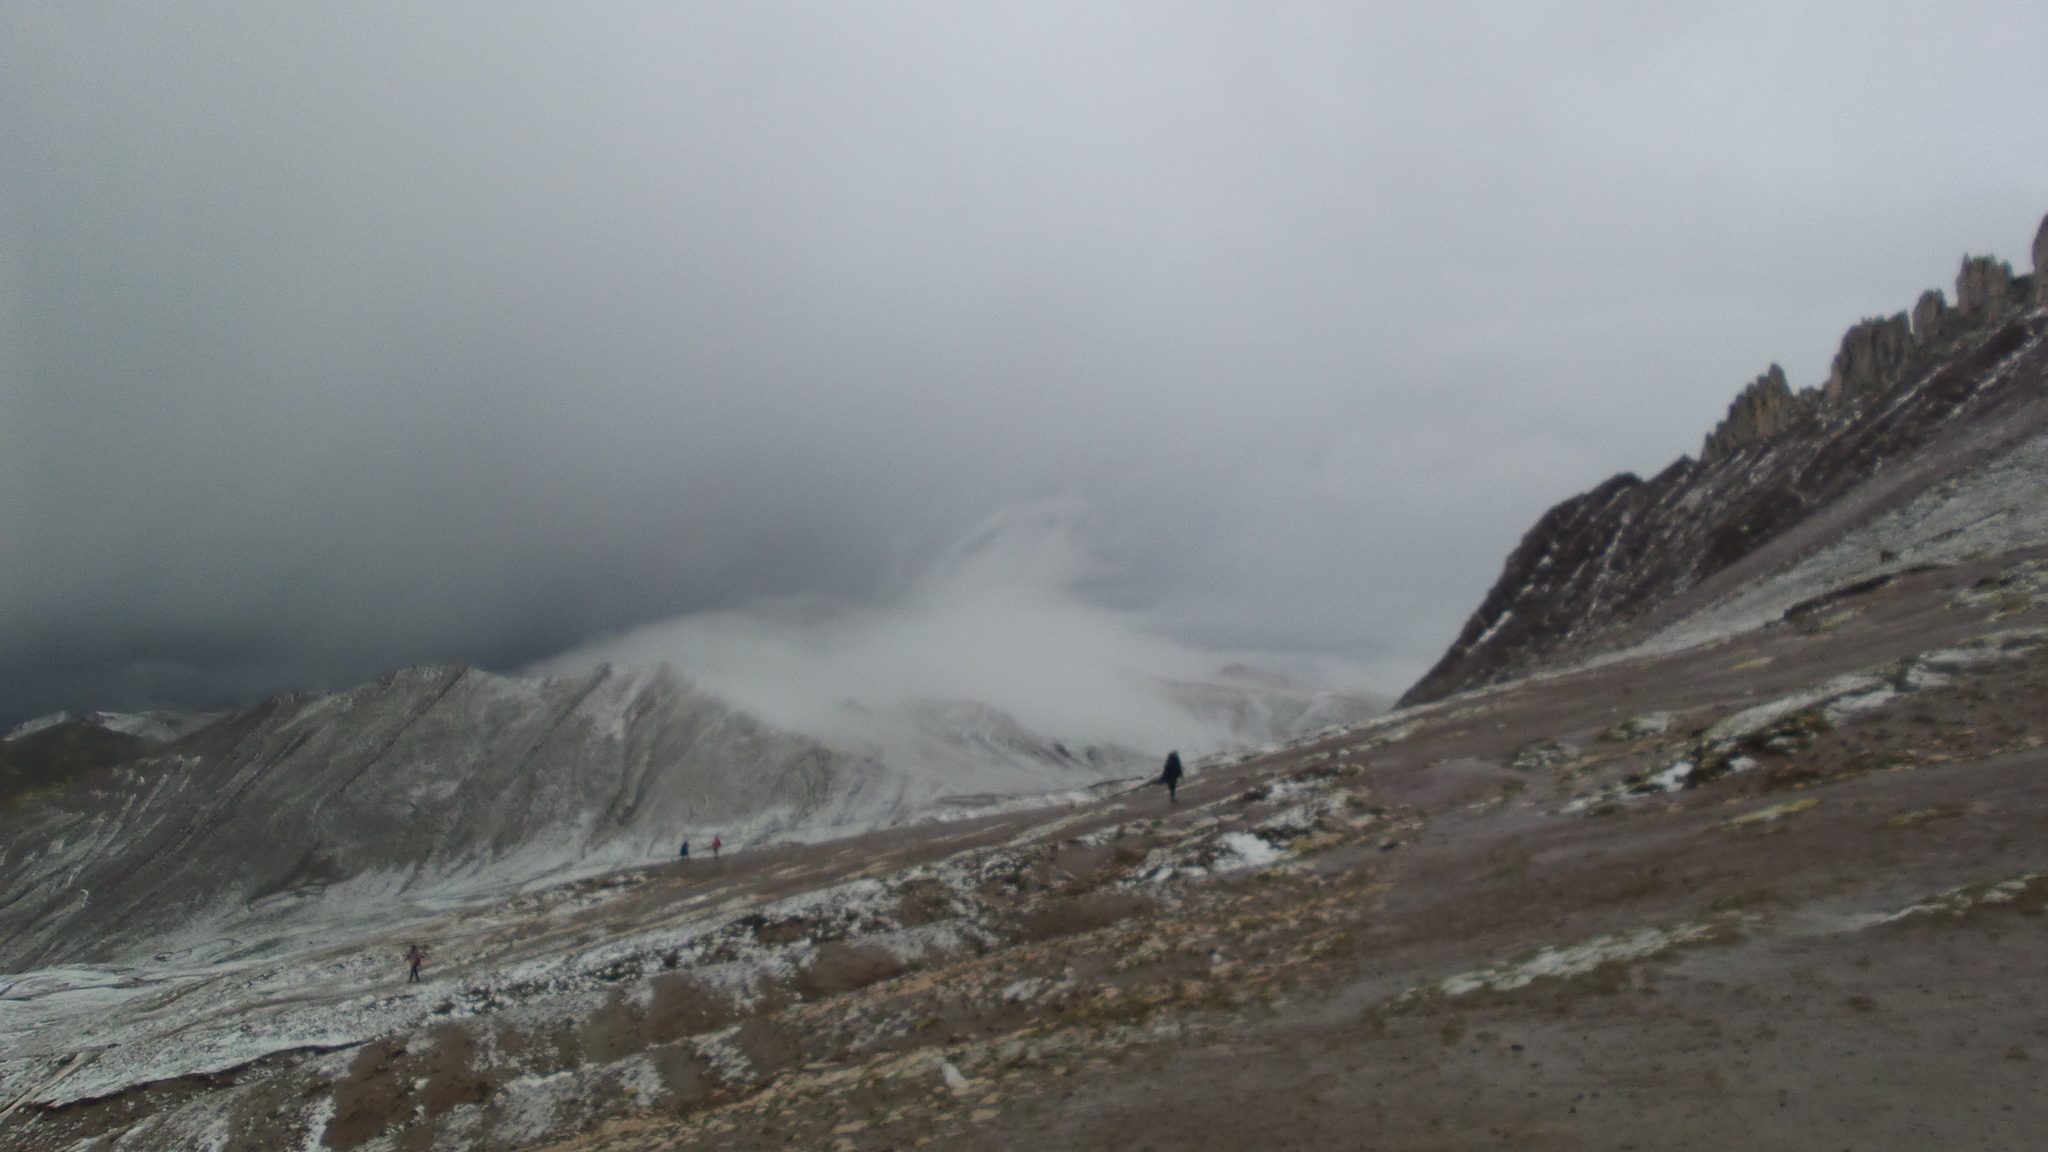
(340, 337)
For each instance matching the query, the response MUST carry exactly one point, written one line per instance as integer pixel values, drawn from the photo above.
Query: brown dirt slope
(1785, 891)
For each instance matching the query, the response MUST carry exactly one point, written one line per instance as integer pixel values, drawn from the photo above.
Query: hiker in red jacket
(413, 959)
(716, 844)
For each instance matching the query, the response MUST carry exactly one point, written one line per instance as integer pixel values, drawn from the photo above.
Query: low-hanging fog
(1002, 617)
(340, 337)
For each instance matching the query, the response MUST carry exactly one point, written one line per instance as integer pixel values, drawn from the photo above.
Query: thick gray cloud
(336, 338)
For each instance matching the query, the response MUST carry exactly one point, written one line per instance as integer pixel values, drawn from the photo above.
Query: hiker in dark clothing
(685, 854)
(716, 844)
(413, 959)
(1170, 776)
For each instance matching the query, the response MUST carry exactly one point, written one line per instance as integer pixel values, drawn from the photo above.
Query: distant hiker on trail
(716, 844)
(413, 959)
(685, 853)
(1170, 776)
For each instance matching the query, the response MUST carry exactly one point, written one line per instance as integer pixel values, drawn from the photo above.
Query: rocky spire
(1985, 290)
(1933, 320)
(1871, 355)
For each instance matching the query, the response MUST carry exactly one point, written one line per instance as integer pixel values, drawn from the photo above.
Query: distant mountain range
(440, 785)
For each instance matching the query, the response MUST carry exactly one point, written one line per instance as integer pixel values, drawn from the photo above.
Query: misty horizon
(333, 342)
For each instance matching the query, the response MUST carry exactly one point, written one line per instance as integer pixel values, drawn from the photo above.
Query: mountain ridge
(445, 783)
(1596, 567)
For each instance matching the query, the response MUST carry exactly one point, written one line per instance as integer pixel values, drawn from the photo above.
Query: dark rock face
(1600, 560)
(2041, 262)
(1762, 410)
(1873, 356)
(1986, 289)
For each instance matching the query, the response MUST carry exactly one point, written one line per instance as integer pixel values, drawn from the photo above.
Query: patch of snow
(1493, 628)
(1848, 706)
(1920, 678)
(1648, 724)
(1772, 814)
(1955, 901)
(1020, 991)
(637, 1076)
(530, 1107)
(317, 1119)
(1671, 777)
(1751, 721)
(721, 1053)
(31, 727)
(1571, 959)
(1250, 852)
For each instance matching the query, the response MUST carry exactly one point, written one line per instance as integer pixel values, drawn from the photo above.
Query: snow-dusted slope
(1999, 507)
(437, 787)
(154, 727)
(423, 786)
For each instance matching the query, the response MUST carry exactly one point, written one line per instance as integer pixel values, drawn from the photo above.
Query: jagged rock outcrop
(1986, 290)
(1762, 410)
(1872, 358)
(1934, 322)
(1598, 561)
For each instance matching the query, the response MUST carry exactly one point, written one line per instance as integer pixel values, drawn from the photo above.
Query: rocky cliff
(1606, 565)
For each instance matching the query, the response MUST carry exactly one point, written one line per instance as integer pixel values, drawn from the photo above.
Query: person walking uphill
(413, 959)
(1170, 776)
